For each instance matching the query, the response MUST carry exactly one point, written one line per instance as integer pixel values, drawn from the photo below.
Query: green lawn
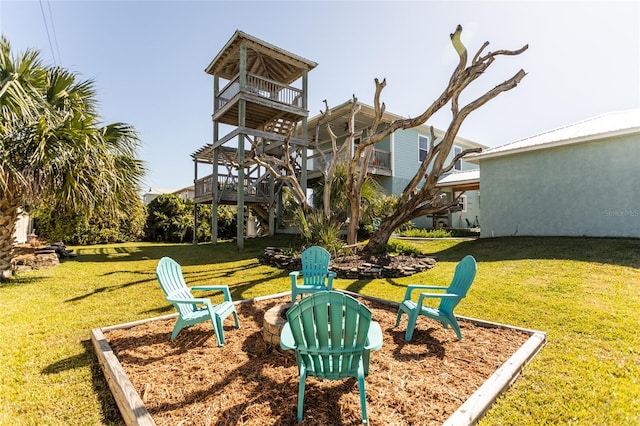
(585, 293)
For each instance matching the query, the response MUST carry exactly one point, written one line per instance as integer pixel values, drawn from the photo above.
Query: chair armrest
(434, 295)
(286, 338)
(330, 276)
(223, 288)
(374, 337)
(413, 287)
(200, 301)
(294, 277)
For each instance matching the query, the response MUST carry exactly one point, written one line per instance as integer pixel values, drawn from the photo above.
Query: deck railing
(229, 185)
(380, 159)
(262, 87)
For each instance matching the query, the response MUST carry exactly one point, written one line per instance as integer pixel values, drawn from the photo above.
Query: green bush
(317, 230)
(426, 233)
(399, 247)
(98, 227)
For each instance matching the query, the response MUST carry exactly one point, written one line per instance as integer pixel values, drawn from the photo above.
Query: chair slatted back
(462, 278)
(330, 330)
(169, 274)
(315, 265)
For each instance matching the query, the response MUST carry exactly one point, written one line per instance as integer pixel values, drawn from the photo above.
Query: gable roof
(263, 59)
(602, 126)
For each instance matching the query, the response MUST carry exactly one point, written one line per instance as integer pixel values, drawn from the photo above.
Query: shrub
(399, 247)
(426, 233)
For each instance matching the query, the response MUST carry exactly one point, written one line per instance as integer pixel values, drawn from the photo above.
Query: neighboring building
(396, 160)
(153, 193)
(579, 180)
(186, 193)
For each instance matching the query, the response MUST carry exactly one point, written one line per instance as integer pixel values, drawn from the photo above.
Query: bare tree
(283, 168)
(418, 200)
(336, 153)
(420, 197)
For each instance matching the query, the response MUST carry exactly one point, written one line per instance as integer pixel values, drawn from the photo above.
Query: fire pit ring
(274, 319)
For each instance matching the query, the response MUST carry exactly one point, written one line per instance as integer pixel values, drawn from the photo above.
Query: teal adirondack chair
(315, 272)
(332, 335)
(463, 277)
(193, 310)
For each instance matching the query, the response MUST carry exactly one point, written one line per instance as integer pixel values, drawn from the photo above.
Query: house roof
(263, 59)
(340, 114)
(461, 181)
(602, 126)
(465, 176)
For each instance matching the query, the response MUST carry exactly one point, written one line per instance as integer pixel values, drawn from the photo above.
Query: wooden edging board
(135, 413)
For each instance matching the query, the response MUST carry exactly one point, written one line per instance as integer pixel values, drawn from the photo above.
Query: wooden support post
(214, 186)
(242, 112)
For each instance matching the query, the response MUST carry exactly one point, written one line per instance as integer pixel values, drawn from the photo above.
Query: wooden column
(194, 240)
(214, 187)
(272, 206)
(303, 173)
(242, 112)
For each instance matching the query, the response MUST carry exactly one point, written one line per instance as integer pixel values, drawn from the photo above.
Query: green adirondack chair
(315, 272)
(332, 335)
(193, 310)
(463, 277)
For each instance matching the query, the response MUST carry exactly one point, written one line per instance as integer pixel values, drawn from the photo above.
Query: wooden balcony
(256, 190)
(266, 101)
(379, 163)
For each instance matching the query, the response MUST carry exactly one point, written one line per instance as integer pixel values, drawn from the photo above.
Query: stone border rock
(353, 267)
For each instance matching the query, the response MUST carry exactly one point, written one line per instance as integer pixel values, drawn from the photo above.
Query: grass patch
(584, 293)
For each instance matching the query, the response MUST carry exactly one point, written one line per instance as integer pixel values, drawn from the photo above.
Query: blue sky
(148, 59)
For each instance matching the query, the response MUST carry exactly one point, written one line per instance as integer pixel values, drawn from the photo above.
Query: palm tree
(53, 148)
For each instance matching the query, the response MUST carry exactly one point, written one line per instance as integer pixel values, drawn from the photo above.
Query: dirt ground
(192, 381)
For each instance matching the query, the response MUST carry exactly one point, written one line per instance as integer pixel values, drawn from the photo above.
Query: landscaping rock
(356, 266)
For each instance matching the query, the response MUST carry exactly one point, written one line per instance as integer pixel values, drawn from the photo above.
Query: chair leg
(399, 317)
(217, 328)
(411, 325)
(235, 318)
(363, 399)
(456, 327)
(176, 328)
(303, 377)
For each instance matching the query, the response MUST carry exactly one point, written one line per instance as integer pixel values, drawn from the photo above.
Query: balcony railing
(228, 185)
(380, 159)
(262, 87)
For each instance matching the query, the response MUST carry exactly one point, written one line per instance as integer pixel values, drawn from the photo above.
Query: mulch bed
(192, 381)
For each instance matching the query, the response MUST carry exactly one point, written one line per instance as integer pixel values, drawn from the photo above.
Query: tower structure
(259, 96)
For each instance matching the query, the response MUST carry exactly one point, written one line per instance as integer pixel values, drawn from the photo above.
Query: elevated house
(396, 160)
(260, 93)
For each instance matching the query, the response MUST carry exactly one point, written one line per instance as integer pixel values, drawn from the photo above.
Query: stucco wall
(585, 189)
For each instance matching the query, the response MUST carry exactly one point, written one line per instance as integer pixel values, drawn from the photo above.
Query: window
(462, 203)
(457, 150)
(423, 147)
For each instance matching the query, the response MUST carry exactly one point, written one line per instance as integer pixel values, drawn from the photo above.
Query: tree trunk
(382, 234)
(8, 218)
(354, 222)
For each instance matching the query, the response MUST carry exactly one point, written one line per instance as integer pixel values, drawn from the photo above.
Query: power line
(46, 27)
(53, 28)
